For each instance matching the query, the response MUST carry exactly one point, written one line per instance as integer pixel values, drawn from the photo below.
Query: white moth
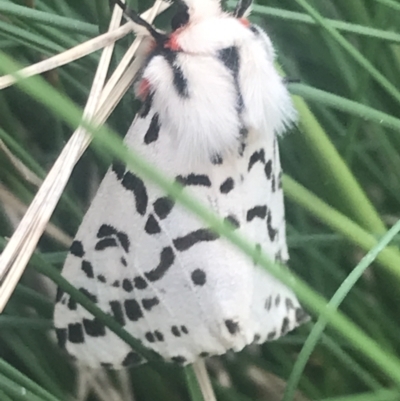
(213, 105)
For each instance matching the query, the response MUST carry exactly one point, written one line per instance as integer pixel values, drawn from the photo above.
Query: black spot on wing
(256, 338)
(133, 310)
(199, 277)
(277, 300)
(75, 333)
(152, 227)
(194, 179)
(301, 316)
(132, 359)
(184, 330)
(217, 159)
(72, 304)
(88, 294)
(167, 258)
(232, 326)
(59, 295)
(272, 232)
(242, 148)
(285, 326)
(257, 211)
(258, 156)
(76, 249)
(233, 220)
(159, 335)
(150, 337)
(61, 337)
(134, 184)
(94, 328)
(193, 238)
(124, 241)
(119, 169)
(146, 106)
(163, 207)
(271, 335)
(150, 303)
(268, 169)
(227, 186)
(179, 80)
(140, 283)
(106, 230)
(87, 268)
(106, 243)
(153, 130)
(175, 331)
(117, 312)
(268, 303)
(124, 262)
(289, 304)
(178, 359)
(127, 285)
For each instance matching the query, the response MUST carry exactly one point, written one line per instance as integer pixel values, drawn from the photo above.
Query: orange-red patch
(143, 89)
(245, 22)
(172, 42)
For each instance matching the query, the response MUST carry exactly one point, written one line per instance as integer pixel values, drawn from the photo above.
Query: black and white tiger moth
(213, 105)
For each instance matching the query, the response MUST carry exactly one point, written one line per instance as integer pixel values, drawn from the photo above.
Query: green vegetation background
(342, 180)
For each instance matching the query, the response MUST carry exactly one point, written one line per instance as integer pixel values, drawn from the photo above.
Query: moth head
(198, 9)
(195, 10)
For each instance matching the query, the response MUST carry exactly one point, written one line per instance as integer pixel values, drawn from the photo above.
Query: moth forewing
(213, 105)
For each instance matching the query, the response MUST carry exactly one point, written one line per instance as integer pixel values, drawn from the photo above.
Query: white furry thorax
(212, 82)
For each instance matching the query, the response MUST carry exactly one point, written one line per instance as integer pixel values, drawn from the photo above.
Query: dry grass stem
(204, 380)
(22, 244)
(27, 174)
(13, 205)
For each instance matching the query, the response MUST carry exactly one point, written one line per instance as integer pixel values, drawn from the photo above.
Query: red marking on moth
(245, 22)
(172, 42)
(143, 89)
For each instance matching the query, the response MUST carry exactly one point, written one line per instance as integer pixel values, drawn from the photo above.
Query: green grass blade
(334, 303)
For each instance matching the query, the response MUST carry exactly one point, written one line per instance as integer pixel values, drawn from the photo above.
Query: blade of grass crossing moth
(334, 303)
(364, 344)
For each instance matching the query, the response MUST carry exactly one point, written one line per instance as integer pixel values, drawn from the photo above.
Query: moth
(213, 106)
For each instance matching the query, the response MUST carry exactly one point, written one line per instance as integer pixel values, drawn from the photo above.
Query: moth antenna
(242, 7)
(135, 17)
